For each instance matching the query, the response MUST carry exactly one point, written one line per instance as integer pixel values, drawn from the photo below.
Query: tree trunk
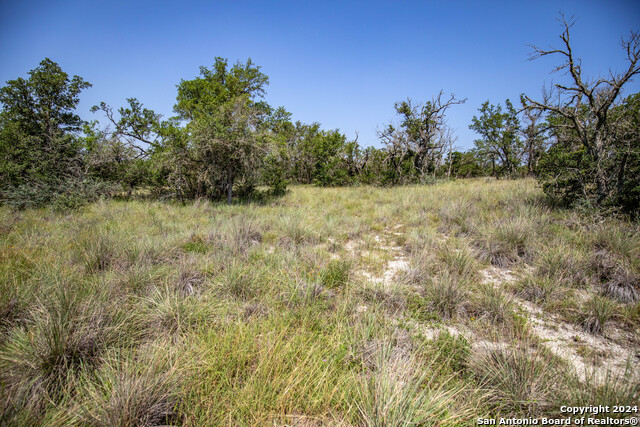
(530, 159)
(229, 187)
(623, 165)
(601, 180)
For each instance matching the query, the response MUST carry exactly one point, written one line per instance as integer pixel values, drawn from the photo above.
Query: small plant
(452, 352)
(196, 243)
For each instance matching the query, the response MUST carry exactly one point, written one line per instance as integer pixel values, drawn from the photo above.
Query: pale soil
(604, 356)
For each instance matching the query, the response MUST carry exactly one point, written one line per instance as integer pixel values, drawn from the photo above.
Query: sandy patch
(568, 341)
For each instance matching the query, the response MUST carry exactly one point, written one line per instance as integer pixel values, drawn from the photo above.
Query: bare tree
(449, 140)
(424, 125)
(585, 104)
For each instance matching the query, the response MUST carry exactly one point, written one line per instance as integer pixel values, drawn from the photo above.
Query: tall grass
(300, 310)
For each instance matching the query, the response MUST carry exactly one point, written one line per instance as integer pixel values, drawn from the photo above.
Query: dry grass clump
(562, 264)
(236, 236)
(619, 238)
(595, 314)
(507, 241)
(189, 282)
(255, 311)
(97, 251)
(519, 378)
(295, 230)
(400, 392)
(140, 391)
(538, 288)
(445, 295)
(458, 217)
(238, 281)
(64, 334)
(625, 289)
(493, 304)
(458, 261)
(169, 312)
(618, 280)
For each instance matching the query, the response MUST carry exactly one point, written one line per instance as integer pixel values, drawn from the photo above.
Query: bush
(62, 195)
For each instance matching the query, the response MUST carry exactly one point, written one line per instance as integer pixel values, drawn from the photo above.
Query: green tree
(224, 117)
(279, 135)
(499, 137)
(39, 146)
(465, 164)
(568, 171)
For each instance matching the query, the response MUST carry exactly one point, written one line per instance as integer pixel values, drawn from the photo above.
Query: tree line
(581, 140)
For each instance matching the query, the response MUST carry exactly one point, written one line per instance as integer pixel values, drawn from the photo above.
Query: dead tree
(585, 104)
(423, 125)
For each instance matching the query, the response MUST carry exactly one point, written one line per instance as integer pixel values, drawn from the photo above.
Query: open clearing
(349, 306)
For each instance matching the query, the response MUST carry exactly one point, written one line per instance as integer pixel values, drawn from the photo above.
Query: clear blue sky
(342, 63)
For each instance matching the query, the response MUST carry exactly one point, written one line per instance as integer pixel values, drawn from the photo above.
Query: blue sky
(341, 63)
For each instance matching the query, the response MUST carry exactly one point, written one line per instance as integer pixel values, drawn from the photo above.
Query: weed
(335, 274)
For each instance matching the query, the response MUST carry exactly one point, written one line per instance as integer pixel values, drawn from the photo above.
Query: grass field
(422, 305)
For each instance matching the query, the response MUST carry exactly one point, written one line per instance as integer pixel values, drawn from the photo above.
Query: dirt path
(567, 340)
(606, 357)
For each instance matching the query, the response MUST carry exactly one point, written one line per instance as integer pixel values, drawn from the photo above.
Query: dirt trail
(566, 340)
(398, 263)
